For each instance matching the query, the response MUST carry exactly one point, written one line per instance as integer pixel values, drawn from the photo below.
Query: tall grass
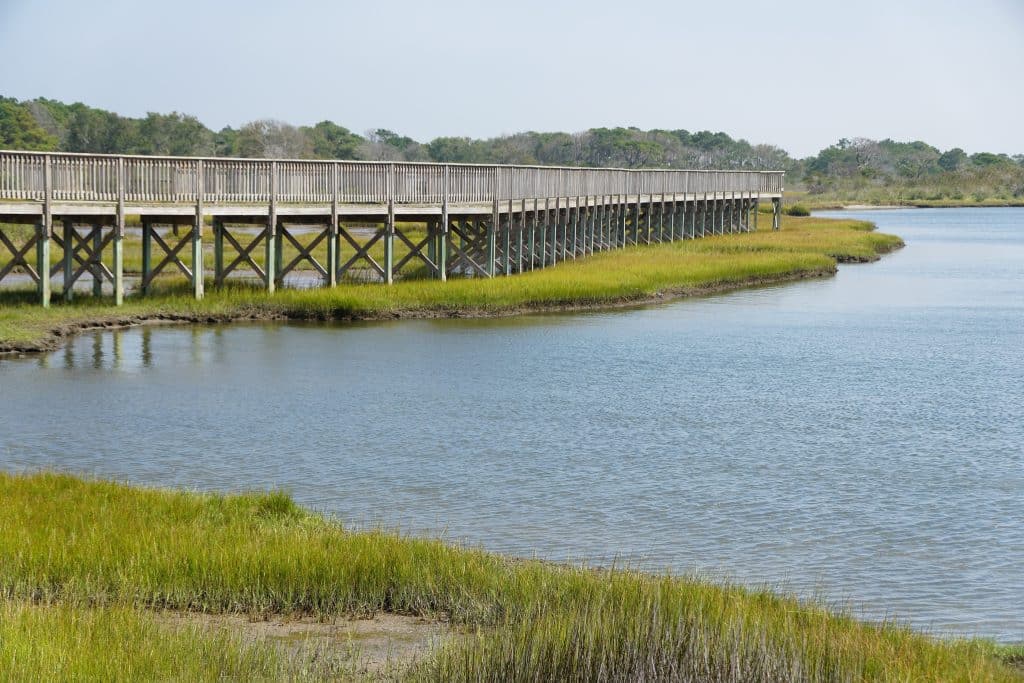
(803, 246)
(68, 541)
(77, 643)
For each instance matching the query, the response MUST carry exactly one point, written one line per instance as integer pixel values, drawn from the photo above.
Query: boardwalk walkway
(343, 220)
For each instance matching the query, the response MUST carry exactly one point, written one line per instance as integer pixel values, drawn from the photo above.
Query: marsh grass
(65, 642)
(804, 246)
(69, 545)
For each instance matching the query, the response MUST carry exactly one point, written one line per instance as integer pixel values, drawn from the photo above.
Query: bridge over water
(344, 220)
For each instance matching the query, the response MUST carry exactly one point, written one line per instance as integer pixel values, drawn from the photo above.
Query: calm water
(858, 438)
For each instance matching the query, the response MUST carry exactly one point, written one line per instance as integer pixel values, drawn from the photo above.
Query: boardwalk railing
(145, 179)
(455, 219)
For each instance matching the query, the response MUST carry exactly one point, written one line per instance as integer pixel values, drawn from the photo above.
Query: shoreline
(842, 206)
(806, 248)
(58, 336)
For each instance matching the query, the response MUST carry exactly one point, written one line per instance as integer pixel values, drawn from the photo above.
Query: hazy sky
(799, 74)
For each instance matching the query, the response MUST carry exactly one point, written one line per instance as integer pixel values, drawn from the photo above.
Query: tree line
(849, 166)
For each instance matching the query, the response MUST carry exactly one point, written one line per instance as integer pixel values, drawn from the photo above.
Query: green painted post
(442, 246)
(555, 217)
(270, 245)
(197, 258)
(218, 251)
(533, 235)
(672, 219)
(492, 239)
(279, 254)
(147, 254)
(544, 233)
(389, 245)
(118, 263)
(332, 254)
(521, 230)
(661, 219)
(43, 260)
(507, 256)
(69, 258)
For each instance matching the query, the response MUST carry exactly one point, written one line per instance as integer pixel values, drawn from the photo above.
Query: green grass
(76, 643)
(803, 246)
(104, 554)
(900, 196)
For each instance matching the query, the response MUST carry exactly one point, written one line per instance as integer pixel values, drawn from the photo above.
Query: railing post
(271, 241)
(332, 231)
(197, 233)
(45, 231)
(389, 229)
(118, 246)
(442, 237)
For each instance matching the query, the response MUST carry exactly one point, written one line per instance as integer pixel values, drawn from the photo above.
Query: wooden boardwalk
(346, 219)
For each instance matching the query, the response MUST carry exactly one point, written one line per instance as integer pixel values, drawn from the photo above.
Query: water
(857, 438)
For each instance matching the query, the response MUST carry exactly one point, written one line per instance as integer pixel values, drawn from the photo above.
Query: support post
(389, 230)
(332, 231)
(507, 256)
(492, 239)
(533, 234)
(44, 232)
(147, 254)
(757, 207)
(218, 251)
(442, 240)
(521, 231)
(270, 243)
(43, 261)
(776, 213)
(69, 258)
(118, 246)
(97, 259)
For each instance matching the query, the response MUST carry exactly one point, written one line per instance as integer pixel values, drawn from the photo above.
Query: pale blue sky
(797, 73)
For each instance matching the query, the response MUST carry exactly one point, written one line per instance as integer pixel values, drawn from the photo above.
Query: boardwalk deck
(452, 219)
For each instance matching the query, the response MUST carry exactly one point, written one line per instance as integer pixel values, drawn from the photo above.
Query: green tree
(331, 141)
(953, 159)
(19, 130)
(174, 134)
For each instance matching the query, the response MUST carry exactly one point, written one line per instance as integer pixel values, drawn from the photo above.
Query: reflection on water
(859, 437)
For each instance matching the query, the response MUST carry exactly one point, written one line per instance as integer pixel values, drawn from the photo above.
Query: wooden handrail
(160, 179)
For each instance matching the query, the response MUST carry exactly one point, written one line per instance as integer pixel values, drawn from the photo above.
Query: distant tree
(270, 139)
(988, 159)
(454, 150)
(224, 142)
(19, 130)
(953, 159)
(331, 141)
(174, 134)
(96, 130)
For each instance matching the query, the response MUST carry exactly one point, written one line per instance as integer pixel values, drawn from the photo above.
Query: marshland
(683, 553)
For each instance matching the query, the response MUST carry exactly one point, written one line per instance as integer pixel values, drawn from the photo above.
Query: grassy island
(100, 580)
(805, 247)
